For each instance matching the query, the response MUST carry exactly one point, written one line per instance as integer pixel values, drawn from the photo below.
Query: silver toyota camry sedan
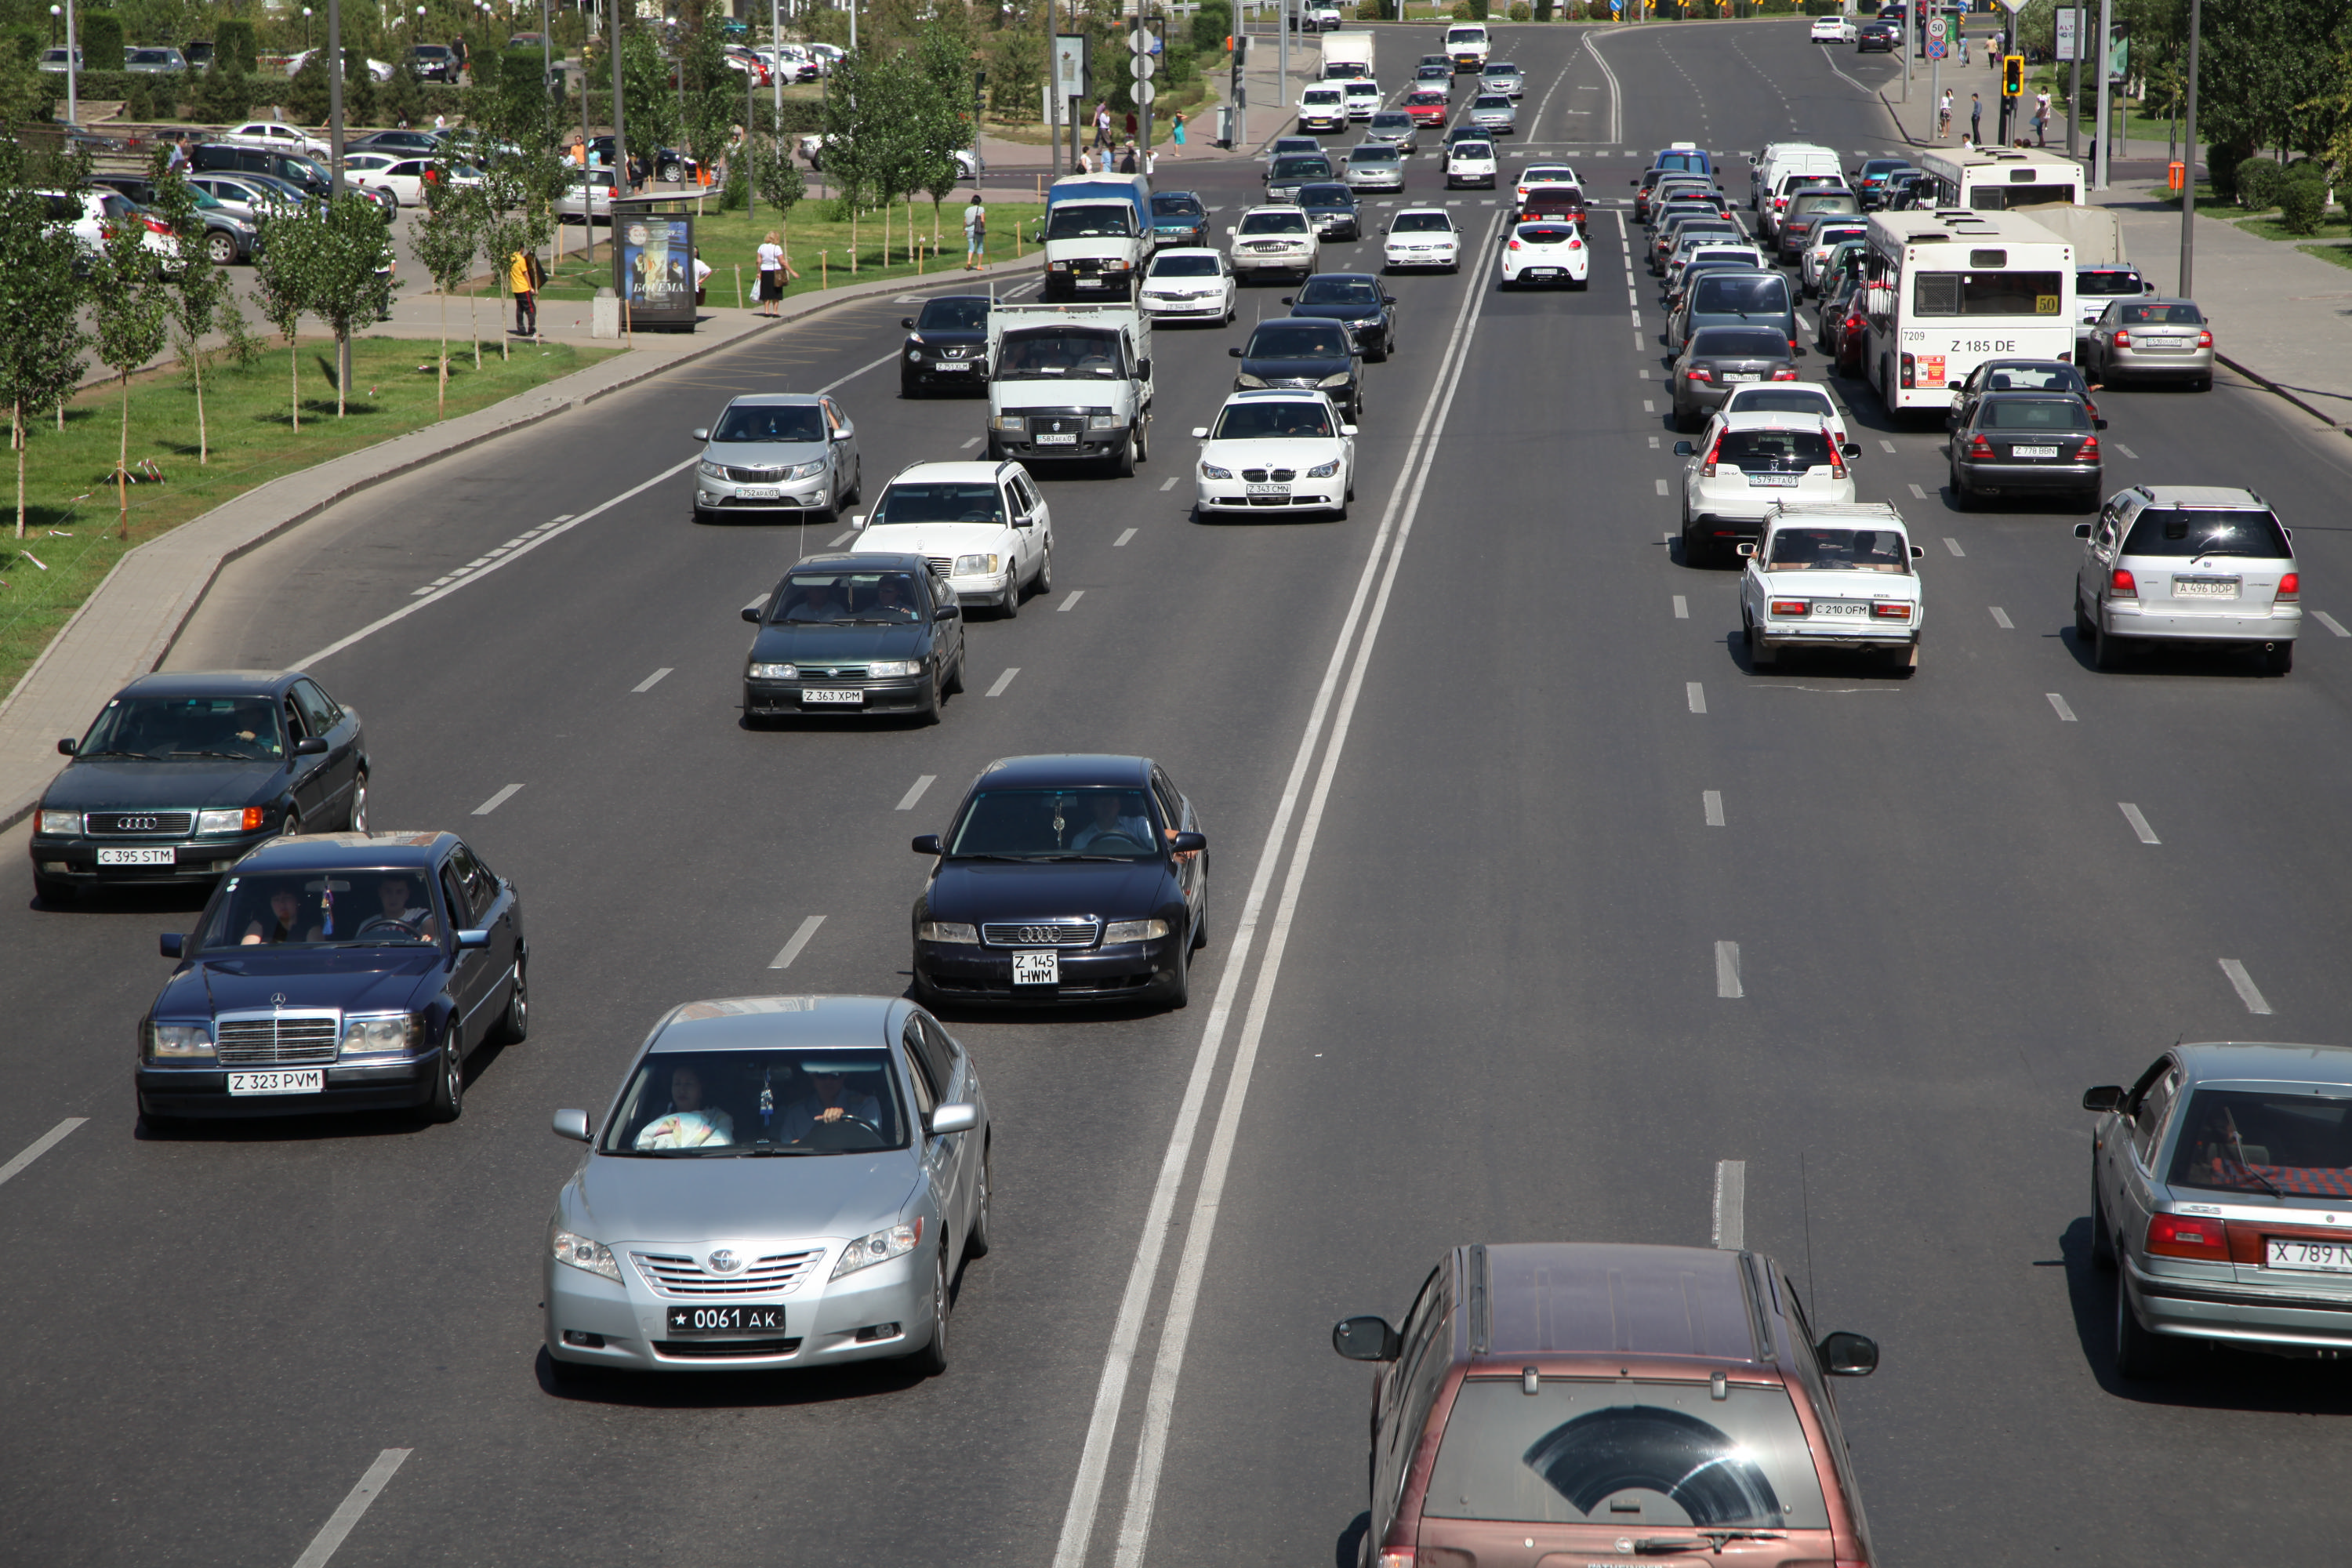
(781, 1181)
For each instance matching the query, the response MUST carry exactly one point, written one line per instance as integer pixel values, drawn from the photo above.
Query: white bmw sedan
(1276, 450)
(1421, 237)
(1546, 252)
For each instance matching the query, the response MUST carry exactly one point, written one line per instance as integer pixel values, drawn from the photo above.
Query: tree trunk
(203, 445)
(506, 339)
(122, 466)
(16, 429)
(885, 231)
(294, 366)
(474, 326)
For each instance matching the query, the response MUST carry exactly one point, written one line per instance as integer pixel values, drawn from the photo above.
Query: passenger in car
(280, 925)
(689, 1123)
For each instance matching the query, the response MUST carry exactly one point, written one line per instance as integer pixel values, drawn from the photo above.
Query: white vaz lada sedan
(1276, 450)
(1831, 576)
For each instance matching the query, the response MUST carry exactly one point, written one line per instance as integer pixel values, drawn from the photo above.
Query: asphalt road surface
(1532, 907)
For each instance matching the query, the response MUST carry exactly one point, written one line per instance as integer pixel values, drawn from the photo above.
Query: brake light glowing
(1702, 373)
(2204, 340)
(1792, 607)
(1576, 245)
(1786, 372)
(1980, 447)
(2122, 585)
(2291, 585)
(2180, 1235)
(1889, 610)
(2123, 340)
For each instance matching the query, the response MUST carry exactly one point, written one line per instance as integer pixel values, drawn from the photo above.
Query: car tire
(2103, 1241)
(928, 714)
(2106, 649)
(290, 826)
(2278, 658)
(670, 174)
(448, 1101)
(1963, 497)
(53, 892)
(1901, 661)
(975, 1240)
(933, 1359)
(1687, 421)
(1044, 581)
(1143, 442)
(2085, 629)
(513, 1026)
(355, 815)
(1011, 608)
(856, 491)
(1123, 463)
(1759, 656)
(954, 687)
(220, 248)
(1179, 990)
(2140, 1356)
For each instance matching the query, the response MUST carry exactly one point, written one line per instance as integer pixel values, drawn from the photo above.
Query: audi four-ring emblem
(135, 825)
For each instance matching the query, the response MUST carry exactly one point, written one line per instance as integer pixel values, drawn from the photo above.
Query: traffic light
(2012, 75)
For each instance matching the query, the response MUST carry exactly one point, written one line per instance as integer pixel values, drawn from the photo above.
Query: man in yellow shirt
(524, 275)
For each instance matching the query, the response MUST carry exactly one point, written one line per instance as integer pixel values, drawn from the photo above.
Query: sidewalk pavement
(129, 624)
(2281, 319)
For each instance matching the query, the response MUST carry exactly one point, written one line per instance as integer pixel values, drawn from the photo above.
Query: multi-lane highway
(1534, 908)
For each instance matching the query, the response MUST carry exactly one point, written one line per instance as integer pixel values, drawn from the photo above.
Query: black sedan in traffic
(1355, 299)
(337, 971)
(182, 773)
(2028, 442)
(1331, 210)
(1067, 879)
(947, 346)
(1299, 353)
(854, 634)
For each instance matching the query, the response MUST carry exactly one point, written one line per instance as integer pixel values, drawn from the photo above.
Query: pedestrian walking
(1176, 135)
(1086, 161)
(1127, 160)
(1102, 126)
(2040, 119)
(1130, 125)
(1944, 115)
(440, 122)
(701, 277)
(524, 276)
(1976, 120)
(772, 274)
(975, 235)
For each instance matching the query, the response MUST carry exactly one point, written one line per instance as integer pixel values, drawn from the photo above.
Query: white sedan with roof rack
(1421, 237)
(1276, 449)
(1832, 576)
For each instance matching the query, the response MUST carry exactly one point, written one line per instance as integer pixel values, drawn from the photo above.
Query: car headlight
(805, 470)
(914, 356)
(890, 667)
(1367, 321)
(1134, 930)
(384, 1034)
(1114, 264)
(1012, 422)
(1211, 471)
(1102, 421)
(179, 1042)
(66, 821)
(1057, 265)
(238, 819)
(1324, 470)
(1340, 379)
(1245, 379)
(978, 565)
(879, 1247)
(582, 1253)
(710, 470)
(774, 671)
(947, 930)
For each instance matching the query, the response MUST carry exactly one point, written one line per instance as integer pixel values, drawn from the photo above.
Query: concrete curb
(2278, 390)
(140, 642)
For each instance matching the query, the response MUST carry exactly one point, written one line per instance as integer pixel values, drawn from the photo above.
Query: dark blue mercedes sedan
(337, 971)
(1065, 879)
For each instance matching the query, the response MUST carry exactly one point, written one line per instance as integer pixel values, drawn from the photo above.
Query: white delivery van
(1468, 46)
(1323, 107)
(1346, 56)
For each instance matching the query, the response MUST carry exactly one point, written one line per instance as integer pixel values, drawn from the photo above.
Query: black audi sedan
(182, 773)
(947, 346)
(1298, 352)
(337, 971)
(1357, 301)
(1070, 879)
(854, 634)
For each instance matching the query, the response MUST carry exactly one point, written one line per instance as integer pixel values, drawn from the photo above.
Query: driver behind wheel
(828, 1099)
(1118, 814)
(399, 895)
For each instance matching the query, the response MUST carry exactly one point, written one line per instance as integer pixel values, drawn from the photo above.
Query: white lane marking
(650, 681)
(1661, 487)
(1404, 508)
(1727, 970)
(2000, 618)
(1649, 405)
(967, 445)
(498, 800)
(907, 801)
(2244, 984)
(1641, 344)
(1071, 603)
(1682, 608)
(555, 531)
(355, 1503)
(1643, 374)
(1711, 802)
(1168, 484)
(1653, 443)
(791, 949)
(1122, 539)
(1616, 99)
(1732, 1204)
(1953, 545)
(2058, 705)
(2126, 451)
(40, 1146)
(2132, 814)
(838, 540)
(1696, 694)
(1002, 681)
(2330, 622)
(1918, 494)
(1887, 446)
(1636, 315)
(564, 517)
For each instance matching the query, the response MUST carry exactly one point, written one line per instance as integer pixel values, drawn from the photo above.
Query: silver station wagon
(2193, 563)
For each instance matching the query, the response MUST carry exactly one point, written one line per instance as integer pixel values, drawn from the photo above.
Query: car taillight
(2291, 585)
(1707, 468)
(2123, 340)
(2204, 340)
(1576, 245)
(1513, 245)
(2122, 585)
(1701, 374)
(1889, 610)
(1792, 607)
(157, 226)
(1786, 372)
(1396, 1558)
(2180, 1235)
(2088, 452)
(1910, 373)
(1981, 447)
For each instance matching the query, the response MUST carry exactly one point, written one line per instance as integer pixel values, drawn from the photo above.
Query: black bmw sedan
(1065, 879)
(182, 773)
(1357, 301)
(947, 346)
(1296, 353)
(854, 634)
(337, 971)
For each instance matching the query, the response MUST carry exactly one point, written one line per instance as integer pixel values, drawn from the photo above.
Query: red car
(1426, 107)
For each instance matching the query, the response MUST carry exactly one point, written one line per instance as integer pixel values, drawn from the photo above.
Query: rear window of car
(1779, 400)
(1774, 451)
(2035, 414)
(1630, 1455)
(1546, 232)
(2185, 531)
(1177, 203)
(1985, 293)
(1765, 294)
(1739, 342)
(2101, 281)
(2161, 316)
(2255, 1140)
(1392, 120)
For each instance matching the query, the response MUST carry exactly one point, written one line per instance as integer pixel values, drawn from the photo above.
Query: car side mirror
(2098, 424)
(1850, 448)
(843, 432)
(752, 614)
(1847, 1355)
(907, 322)
(702, 434)
(1347, 430)
(1367, 1338)
(1143, 368)
(1288, 299)
(947, 611)
(1188, 843)
(1236, 354)
(170, 943)
(1684, 449)
(949, 1119)
(1919, 553)
(310, 746)
(927, 844)
(1199, 432)
(68, 747)
(475, 940)
(572, 1124)
(1744, 547)
(857, 520)
(2081, 531)
(2105, 1097)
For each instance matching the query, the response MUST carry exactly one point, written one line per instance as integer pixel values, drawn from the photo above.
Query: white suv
(1275, 239)
(2187, 564)
(1751, 463)
(983, 526)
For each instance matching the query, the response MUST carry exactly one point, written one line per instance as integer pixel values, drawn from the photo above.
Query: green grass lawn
(70, 515)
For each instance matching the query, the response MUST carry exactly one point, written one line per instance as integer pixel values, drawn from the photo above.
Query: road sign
(1938, 49)
(2067, 33)
(1139, 41)
(1144, 92)
(2013, 6)
(1936, 30)
(1140, 66)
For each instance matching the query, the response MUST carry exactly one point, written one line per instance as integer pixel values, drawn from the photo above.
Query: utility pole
(620, 135)
(1053, 89)
(1281, 51)
(2189, 167)
(73, 70)
(335, 159)
(2099, 142)
(2074, 88)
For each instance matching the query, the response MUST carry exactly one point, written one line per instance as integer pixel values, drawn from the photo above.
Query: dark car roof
(904, 559)
(1067, 769)
(1618, 1300)
(213, 683)
(326, 851)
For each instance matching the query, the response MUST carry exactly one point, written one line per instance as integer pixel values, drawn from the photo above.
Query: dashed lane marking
(1953, 545)
(2139, 821)
(907, 801)
(650, 681)
(1122, 539)
(1696, 694)
(498, 800)
(2058, 706)
(2000, 618)
(1711, 802)
(792, 950)
(1726, 971)
(2244, 984)
(1003, 680)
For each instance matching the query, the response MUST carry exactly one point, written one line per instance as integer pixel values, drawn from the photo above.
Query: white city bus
(1990, 179)
(1947, 291)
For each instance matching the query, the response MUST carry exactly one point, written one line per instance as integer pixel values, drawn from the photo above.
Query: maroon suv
(1603, 1402)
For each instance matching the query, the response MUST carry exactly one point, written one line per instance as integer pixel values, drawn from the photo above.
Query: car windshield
(1052, 353)
(1773, 451)
(1361, 291)
(165, 729)
(344, 907)
(1306, 166)
(1545, 232)
(1256, 421)
(2102, 281)
(1274, 223)
(1177, 203)
(939, 501)
(1491, 101)
(1421, 223)
(1297, 339)
(1426, 100)
(716, 1104)
(1761, 294)
(1474, 150)
(1167, 266)
(1778, 400)
(1738, 342)
(1392, 120)
(1091, 220)
(1057, 825)
(770, 422)
(2034, 413)
(2298, 1144)
(2161, 316)
(953, 316)
(874, 597)
(1840, 550)
(1630, 1455)
(1326, 196)
(1362, 155)
(2189, 531)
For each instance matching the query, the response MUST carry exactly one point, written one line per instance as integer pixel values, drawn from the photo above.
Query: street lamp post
(2188, 162)
(73, 69)
(56, 11)
(335, 157)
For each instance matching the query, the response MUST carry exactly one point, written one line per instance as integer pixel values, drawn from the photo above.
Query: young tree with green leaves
(40, 297)
(199, 292)
(946, 124)
(128, 303)
(648, 93)
(778, 180)
(349, 274)
(445, 238)
(281, 269)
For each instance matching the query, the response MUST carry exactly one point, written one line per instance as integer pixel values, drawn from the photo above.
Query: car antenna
(1805, 1208)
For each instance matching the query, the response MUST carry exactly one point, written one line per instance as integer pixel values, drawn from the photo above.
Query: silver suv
(2187, 564)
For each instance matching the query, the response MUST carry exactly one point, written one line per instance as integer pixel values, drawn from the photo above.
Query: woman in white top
(772, 274)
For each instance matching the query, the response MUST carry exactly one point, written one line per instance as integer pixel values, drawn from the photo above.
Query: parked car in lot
(1830, 578)
(587, 198)
(434, 62)
(275, 135)
(2151, 340)
(402, 179)
(182, 772)
(674, 1247)
(1744, 465)
(155, 59)
(2028, 442)
(779, 453)
(337, 971)
(2187, 564)
(1284, 450)
(228, 238)
(1571, 1403)
(875, 632)
(984, 527)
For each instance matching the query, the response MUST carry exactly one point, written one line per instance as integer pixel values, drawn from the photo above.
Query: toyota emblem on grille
(724, 1262)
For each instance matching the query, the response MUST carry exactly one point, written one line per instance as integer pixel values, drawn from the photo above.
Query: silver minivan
(2187, 564)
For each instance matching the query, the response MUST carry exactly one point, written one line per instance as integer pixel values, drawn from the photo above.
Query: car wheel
(53, 892)
(1901, 661)
(909, 389)
(2278, 658)
(448, 1101)
(1759, 656)
(1963, 497)
(356, 817)
(2106, 649)
(2139, 1356)
(291, 826)
(1687, 420)
(975, 1240)
(1123, 464)
(1200, 930)
(2103, 1243)
(954, 687)
(856, 491)
(2084, 628)
(1011, 607)
(1180, 989)
(928, 714)
(1044, 581)
(514, 1024)
(671, 174)
(220, 248)
(933, 1359)
(1143, 443)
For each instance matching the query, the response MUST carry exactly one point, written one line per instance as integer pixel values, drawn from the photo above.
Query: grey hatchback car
(781, 1181)
(792, 452)
(2219, 1183)
(2187, 564)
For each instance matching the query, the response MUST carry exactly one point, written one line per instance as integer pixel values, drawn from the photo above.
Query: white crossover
(1546, 252)
(1751, 463)
(1275, 239)
(983, 526)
